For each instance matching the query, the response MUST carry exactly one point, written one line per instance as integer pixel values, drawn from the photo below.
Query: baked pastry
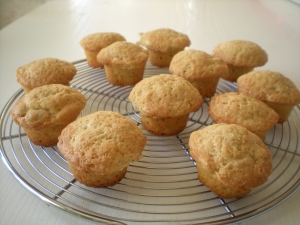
(240, 56)
(93, 43)
(124, 63)
(100, 146)
(45, 71)
(163, 44)
(273, 88)
(200, 69)
(242, 109)
(230, 159)
(165, 102)
(46, 110)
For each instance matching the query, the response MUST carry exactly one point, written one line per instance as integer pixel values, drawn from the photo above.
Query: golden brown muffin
(100, 146)
(93, 43)
(46, 110)
(273, 88)
(163, 44)
(45, 71)
(165, 102)
(240, 56)
(242, 109)
(200, 69)
(124, 63)
(230, 159)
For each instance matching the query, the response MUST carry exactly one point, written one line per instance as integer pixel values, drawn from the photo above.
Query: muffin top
(236, 156)
(96, 41)
(124, 55)
(193, 65)
(165, 95)
(269, 86)
(164, 40)
(241, 53)
(48, 105)
(242, 109)
(45, 71)
(102, 142)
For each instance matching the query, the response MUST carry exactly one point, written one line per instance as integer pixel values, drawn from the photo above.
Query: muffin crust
(200, 69)
(165, 95)
(100, 146)
(124, 55)
(46, 110)
(242, 109)
(241, 53)
(230, 159)
(45, 71)
(269, 86)
(97, 41)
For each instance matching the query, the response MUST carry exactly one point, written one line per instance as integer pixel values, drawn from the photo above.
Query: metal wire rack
(161, 188)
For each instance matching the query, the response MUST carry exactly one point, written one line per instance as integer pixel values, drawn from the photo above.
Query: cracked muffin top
(269, 86)
(242, 109)
(236, 156)
(164, 40)
(48, 105)
(193, 65)
(96, 41)
(45, 71)
(241, 53)
(103, 142)
(123, 54)
(165, 95)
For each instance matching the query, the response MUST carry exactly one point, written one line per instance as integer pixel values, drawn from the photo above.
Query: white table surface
(55, 29)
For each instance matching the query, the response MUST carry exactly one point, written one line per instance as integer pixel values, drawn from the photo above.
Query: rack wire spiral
(163, 186)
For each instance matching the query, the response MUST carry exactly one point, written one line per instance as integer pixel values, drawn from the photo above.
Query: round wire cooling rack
(163, 186)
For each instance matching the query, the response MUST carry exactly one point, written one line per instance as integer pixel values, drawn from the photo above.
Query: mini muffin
(240, 56)
(93, 43)
(273, 88)
(45, 71)
(242, 109)
(165, 102)
(230, 159)
(46, 110)
(100, 146)
(163, 44)
(124, 63)
(200, 69)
